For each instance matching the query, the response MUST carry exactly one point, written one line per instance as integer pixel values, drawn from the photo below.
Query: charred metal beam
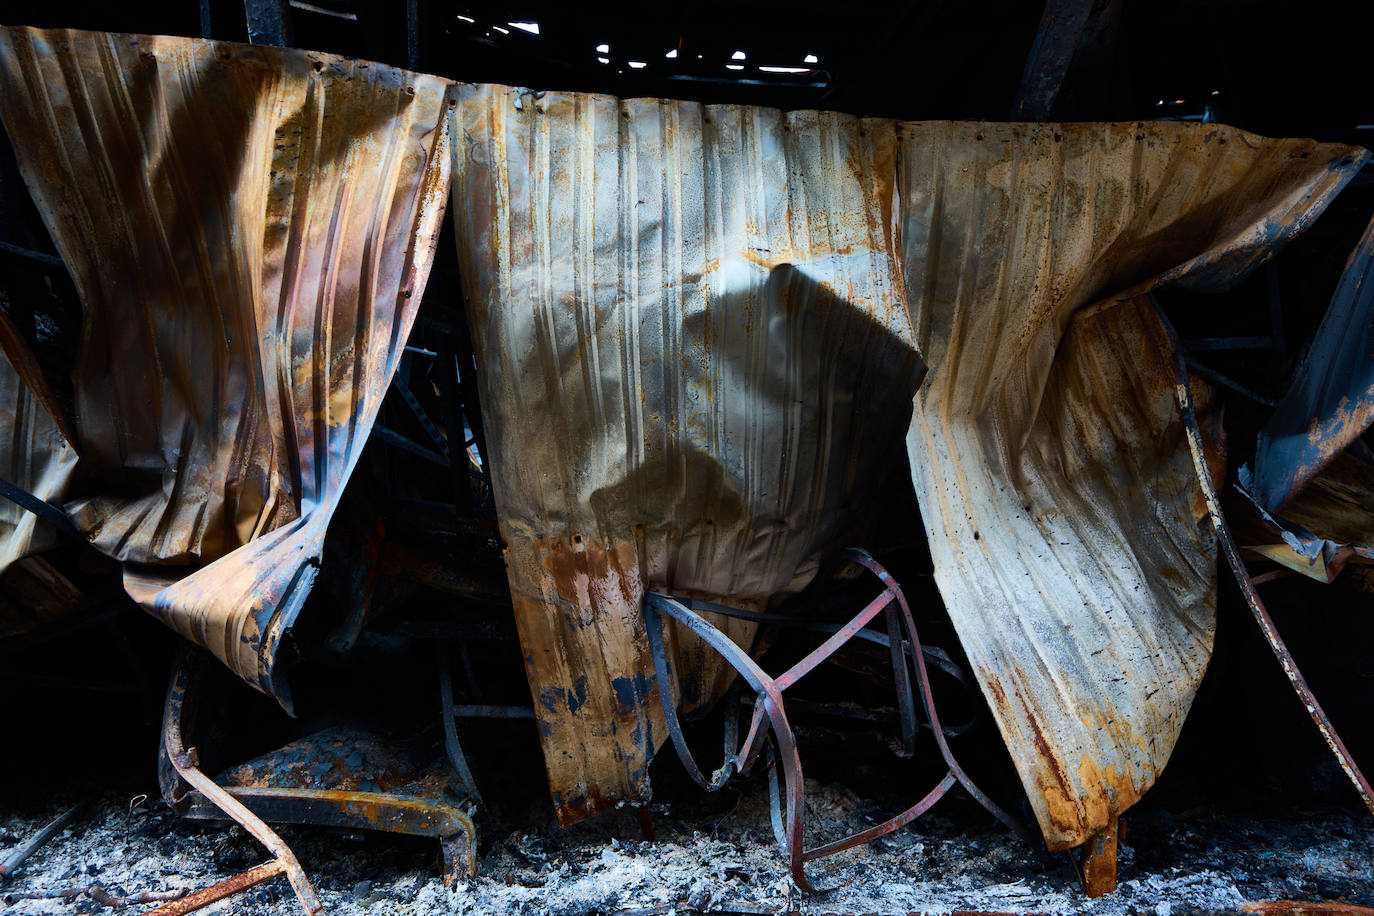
(413, 34)
(1061, 28)
(304, 7)
(269, 22)
(22, 252)
(452, 747)
(1217, 378)
(391, 437)
(438, 438)
(451, 395)
(39, 507)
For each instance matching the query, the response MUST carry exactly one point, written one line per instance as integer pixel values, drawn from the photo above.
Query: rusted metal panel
(1331, 401)
(1312, 492)
(695, 363)
(35, 455)
(250, 230)
(1324, 526)
(1047, 454)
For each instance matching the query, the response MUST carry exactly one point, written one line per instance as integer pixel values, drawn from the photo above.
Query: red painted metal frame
(769, 728)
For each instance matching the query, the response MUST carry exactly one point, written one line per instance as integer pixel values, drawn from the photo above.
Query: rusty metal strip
(218, 891)
(1183, 392)
(1046, 452)
(185, 762)
(249, 261)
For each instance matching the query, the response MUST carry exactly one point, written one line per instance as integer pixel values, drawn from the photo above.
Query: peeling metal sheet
(1324, 526)
(1331, 401)
(250, 230)
(695, 363)
(1311, 489)
(34, 453)
(1052, 473)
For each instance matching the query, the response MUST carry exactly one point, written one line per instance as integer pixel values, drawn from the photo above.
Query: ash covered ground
(1209, 859)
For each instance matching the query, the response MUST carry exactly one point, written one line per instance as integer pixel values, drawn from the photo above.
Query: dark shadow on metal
(769, 729)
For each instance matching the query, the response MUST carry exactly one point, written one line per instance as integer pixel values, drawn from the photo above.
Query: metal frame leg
(769, 728)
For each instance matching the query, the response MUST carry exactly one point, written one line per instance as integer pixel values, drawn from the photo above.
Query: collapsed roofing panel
(1331, 401)
(1050, 466)
(695, 363)
(1310, 485)
(250, 230)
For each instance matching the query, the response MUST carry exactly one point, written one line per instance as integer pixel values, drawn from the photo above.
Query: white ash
(1210, 861)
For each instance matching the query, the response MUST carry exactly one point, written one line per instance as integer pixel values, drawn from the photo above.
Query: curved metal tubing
(770, 731)
(187, 766)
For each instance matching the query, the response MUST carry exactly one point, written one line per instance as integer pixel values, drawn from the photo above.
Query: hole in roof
(531, 27)
(785, 69)
(734, 66)
(636, 64)
(671, 54)
(738, 55)
(811, 59)
(604, 48)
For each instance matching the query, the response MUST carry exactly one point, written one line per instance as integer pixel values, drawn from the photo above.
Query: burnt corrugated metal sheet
(695, 363)
(1311, 490)
(34, 454)
(1052, 473)
(1331, 401)
(250, 230)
